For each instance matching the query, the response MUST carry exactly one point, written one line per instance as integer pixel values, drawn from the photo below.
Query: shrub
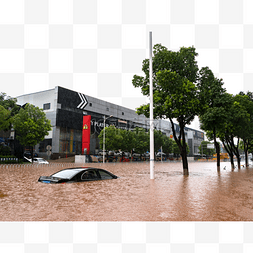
(5, 150)
(8, 159)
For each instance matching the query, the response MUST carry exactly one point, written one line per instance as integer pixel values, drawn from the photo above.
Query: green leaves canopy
(113, 138)
(5, 122)
(175, 94)
(8, 108)
(31, 125)
(137, 140)
(174, 74)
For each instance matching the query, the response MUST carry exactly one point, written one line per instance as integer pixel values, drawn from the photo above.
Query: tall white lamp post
(104, 138)
(152, 156)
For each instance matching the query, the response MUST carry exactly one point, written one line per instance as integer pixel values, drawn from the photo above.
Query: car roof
(80, 168)
(76, 170)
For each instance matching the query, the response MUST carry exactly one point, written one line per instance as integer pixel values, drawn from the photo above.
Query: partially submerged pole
(152, 164)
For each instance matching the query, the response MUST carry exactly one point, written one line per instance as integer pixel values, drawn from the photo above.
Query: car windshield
(39, 159)
(67, 174)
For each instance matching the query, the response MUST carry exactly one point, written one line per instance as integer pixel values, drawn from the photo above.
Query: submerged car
(80, 174)
(40, 160)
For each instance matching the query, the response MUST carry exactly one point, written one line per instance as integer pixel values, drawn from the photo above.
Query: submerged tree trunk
(229, 151)
(32, 153)
(237, 153)
(246, 153)
(184, 154)
(238, 161)
(181, 145)
(232, 161)
(217, 148)
(185, 163)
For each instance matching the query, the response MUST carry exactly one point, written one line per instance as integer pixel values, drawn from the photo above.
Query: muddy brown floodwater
(204, 195)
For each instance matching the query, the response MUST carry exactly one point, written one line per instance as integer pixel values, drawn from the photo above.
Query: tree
(158, 140)
(141, 144)
(237, 120)
(167, 145)
(125, 140)
(247, 134)
(4, 150)
(176, 149)
(113, 138)
(213, 111)
(250, 146)
(8, 108)
(204, 150)
(128, 141)
(5, 121)
(175, 95)
(31, 125)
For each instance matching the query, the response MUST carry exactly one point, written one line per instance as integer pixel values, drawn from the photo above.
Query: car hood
(52, 180)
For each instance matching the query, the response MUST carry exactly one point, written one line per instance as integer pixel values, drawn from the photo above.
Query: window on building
(107, 109)
(46, 106)
(90, 104)
(122, 113)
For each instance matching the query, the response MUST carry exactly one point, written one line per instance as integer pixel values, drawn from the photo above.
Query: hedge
(8, 159)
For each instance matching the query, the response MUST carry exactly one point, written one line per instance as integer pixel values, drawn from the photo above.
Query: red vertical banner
(86, 134)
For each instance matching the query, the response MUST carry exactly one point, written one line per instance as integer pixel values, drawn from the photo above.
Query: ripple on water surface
(203, 195)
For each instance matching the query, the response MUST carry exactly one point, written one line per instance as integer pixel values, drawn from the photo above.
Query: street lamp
(104, 138)
(152, 164)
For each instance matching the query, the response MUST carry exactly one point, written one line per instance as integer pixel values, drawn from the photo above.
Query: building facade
(66, 109)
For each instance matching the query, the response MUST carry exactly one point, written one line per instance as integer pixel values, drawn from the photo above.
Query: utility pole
(152, 158)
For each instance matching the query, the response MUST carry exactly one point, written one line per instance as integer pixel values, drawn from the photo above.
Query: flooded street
(204, 195)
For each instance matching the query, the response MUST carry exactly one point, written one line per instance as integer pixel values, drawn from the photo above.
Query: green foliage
(8, 108)
(8, 159)
(245, 128)
(214, 101)
(31, 125)
(174, 74)
(141, 144)
(5, 150)
(113, 138)
(175, 94)
(158, 140)
(176, 149)
(250, 146)
(137, 140)
(9, 103)
(167, 145)
(204, 150)
(5, 120)
(128, 140)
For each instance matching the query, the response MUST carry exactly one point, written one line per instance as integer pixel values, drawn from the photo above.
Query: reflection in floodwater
(203, 195)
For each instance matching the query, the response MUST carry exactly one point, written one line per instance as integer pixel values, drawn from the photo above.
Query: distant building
(66, 110)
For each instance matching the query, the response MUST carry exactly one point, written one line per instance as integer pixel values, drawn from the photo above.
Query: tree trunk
(217, 148)
(185, 163)
(184, 155)
(246, 159)
(238, 161)
(229, 151)
(181, 145)
(232, 161)
(237, 153)
(32, 153)
(246, 153)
